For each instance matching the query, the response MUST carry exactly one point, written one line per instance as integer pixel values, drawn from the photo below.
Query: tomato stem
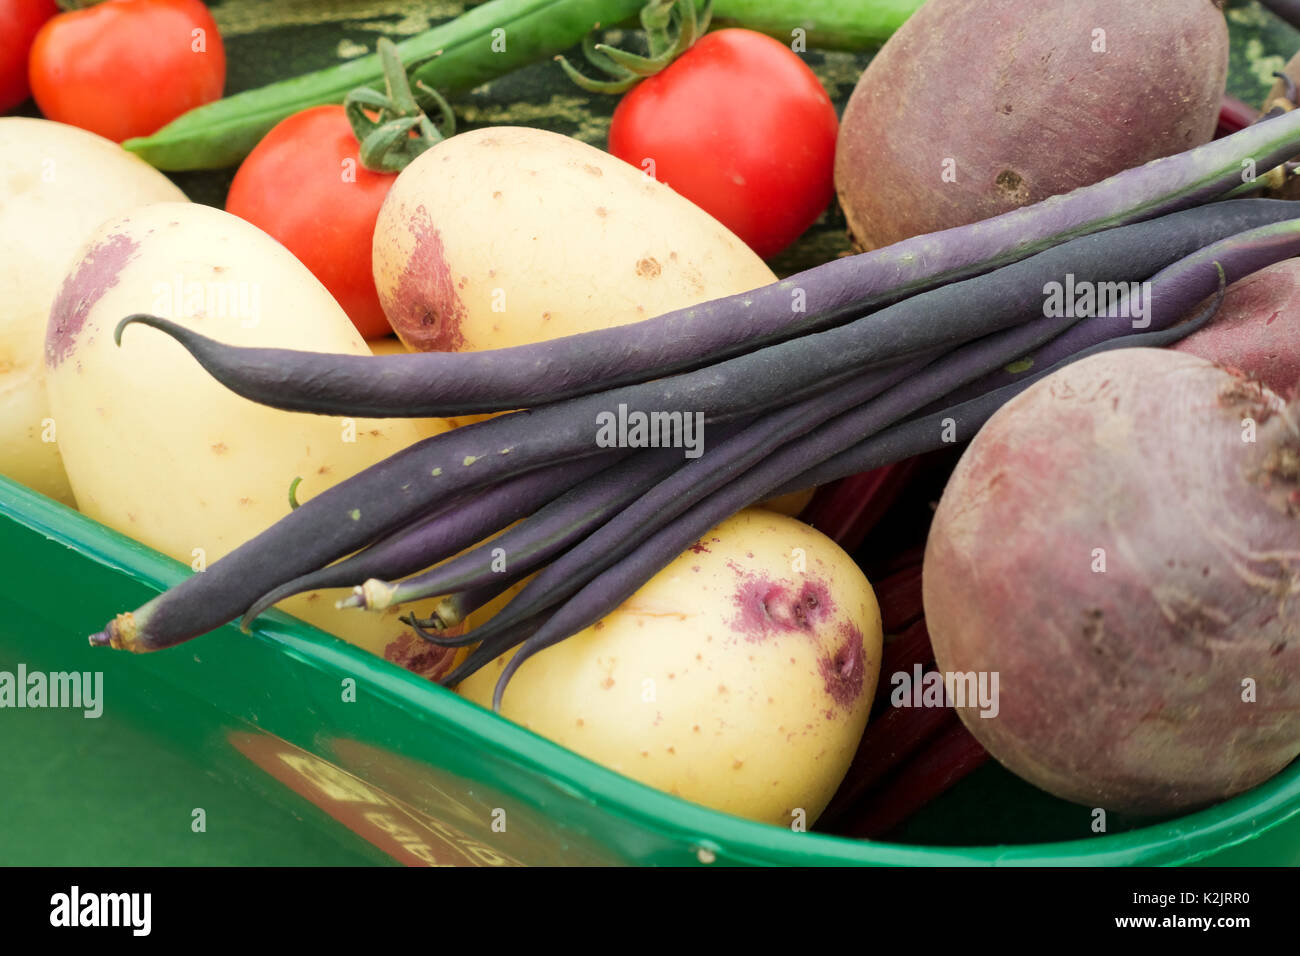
(392, 128)
(671, 28)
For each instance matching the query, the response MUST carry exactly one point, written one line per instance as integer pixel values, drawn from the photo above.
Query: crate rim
(1184, 839)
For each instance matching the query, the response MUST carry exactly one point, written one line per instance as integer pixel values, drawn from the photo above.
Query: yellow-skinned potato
(740, 676)
(57, 184)
(157, 448)
(509, 235)
(791, 504)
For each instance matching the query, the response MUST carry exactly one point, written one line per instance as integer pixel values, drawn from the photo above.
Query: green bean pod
(827, 24)
(485, 42)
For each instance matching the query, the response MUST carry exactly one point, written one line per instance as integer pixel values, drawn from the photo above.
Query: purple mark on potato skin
(755, 599)
(764, 606)
(425, 308)
(94, 275)
(844, 668)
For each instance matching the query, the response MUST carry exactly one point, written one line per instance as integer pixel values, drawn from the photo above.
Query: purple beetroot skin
(1257, 329)
(1121, 544)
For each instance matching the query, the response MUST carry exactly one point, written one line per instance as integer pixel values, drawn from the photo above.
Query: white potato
(156, 447)
(741, 676)
(509, 235)
(57, 184)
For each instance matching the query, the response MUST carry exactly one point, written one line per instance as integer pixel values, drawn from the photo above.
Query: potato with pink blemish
(740, 676)
(161, 451)
(57, 184)
(506, 236)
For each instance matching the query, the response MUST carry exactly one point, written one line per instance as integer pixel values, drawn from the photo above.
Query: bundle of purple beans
(855, 364)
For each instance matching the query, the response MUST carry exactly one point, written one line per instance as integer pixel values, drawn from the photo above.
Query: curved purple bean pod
(958, 422)
(672, 496)
(907, 387)
(384, 497)
(920, 382)
(443, 533)
(443, 383)
(533, 541)
(1175, 291)
(605, 592)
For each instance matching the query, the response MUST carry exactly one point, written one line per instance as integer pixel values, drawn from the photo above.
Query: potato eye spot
(800, 615)
(648, 268)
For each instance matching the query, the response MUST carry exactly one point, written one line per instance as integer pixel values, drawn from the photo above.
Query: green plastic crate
(239, 748)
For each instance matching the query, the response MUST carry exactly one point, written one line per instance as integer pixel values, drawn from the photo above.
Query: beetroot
(976, 107)
(1128, 563)
(1257, 329)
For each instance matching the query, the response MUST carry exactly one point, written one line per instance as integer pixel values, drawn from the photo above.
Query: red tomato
(304, 184)
(21, 20)
(125, 68)
(741, 127)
